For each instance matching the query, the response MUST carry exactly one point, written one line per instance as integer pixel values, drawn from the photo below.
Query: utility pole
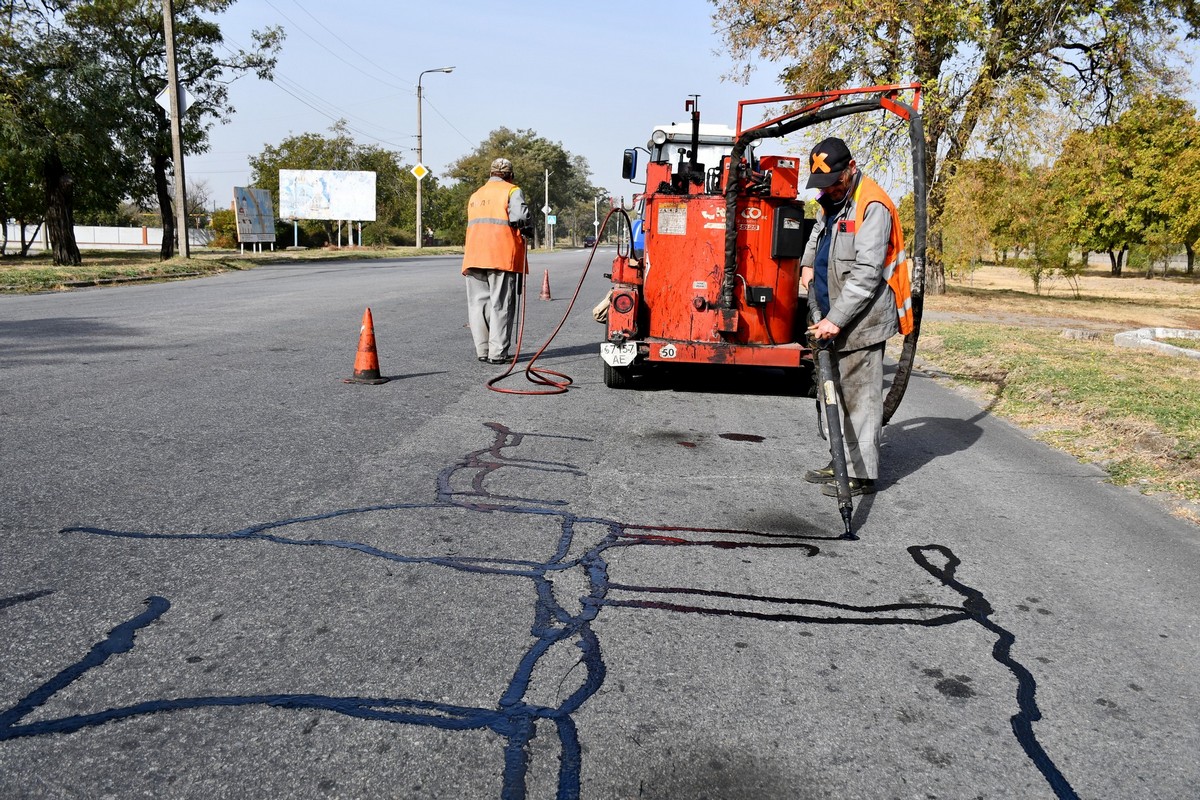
(181, 231)
(420, 168)
(546, 211)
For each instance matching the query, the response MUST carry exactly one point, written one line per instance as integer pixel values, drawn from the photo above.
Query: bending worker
(497, 223)
(856, 265)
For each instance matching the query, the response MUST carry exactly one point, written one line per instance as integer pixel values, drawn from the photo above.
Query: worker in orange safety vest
(498, 222)
(856, 264)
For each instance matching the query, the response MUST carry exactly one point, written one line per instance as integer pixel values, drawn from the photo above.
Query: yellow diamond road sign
(419, 171)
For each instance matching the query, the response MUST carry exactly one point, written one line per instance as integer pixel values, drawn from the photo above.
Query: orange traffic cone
(545, 295)
(366, 364)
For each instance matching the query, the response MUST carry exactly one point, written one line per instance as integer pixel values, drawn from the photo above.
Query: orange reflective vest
(491, 242)
(896, 267)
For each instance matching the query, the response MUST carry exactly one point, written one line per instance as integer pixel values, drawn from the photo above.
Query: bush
(224, 228)
(378, 234)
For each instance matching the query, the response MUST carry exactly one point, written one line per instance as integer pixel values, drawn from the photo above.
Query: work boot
(822, 475)
(858, 486)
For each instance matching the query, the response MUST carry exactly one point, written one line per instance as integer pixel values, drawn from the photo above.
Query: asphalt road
(227, 573)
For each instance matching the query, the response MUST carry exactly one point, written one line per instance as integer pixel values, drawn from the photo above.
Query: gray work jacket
(860, 301)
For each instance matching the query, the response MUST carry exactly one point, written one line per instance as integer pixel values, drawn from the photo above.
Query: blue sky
(596, 77)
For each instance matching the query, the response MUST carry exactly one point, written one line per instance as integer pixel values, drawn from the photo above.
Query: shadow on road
(918, 441)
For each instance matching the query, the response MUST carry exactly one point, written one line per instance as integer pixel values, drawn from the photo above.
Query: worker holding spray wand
(855, 270)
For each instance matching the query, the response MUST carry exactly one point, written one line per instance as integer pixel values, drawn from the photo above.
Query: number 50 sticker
(667, 351)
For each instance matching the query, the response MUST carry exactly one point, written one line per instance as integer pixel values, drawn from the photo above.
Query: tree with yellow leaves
(987, 65)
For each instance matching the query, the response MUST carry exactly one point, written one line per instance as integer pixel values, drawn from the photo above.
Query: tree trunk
(60, 219)
(1191, 257)
(166, 209)
(1117, 259)
(935, 268)
(28, 243)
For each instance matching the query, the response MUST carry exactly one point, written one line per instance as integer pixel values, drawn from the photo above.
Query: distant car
(589, 241)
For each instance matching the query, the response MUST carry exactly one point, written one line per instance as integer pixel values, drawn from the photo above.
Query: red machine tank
(693, 290)
(667, 298)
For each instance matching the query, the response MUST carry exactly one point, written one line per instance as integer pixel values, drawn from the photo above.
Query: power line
(352, 48)
(322, 45)
(342, 118)
(448, 122)
(297, 91)
(315, 102)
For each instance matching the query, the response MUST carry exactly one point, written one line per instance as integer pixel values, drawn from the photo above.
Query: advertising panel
(255, 214)
(327, 194)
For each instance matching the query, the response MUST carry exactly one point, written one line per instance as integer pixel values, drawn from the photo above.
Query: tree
(56, 95)
(1181, 202)
(81, 79)
(1097, 218)
(126, 36)
(21, 198)
(1040, 228)
(984, 65)
(531, 156)
(979, 214)
(1137, 171)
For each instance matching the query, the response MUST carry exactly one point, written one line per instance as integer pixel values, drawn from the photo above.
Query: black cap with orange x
(827, 162)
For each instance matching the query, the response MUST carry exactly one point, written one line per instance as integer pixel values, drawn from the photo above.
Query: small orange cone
(366, 364)
(545, 295)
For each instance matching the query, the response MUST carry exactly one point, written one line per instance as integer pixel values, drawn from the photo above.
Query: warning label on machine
(672, 219)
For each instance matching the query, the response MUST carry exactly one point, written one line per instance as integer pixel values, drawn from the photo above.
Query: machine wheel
(617, 377)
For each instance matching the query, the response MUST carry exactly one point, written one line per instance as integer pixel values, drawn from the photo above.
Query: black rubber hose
(908, 351)
(829, 389)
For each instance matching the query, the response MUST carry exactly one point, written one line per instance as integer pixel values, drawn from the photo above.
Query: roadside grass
(104, 267)
(1135, 413)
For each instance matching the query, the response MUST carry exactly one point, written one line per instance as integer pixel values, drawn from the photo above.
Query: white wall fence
(100, 237)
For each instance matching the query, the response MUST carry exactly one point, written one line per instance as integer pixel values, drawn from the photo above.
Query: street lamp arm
(426, 72)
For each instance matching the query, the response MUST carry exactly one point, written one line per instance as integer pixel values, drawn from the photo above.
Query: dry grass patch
(1135, 413)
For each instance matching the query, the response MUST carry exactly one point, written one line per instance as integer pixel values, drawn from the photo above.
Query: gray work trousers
(491, 310)
(861, 377)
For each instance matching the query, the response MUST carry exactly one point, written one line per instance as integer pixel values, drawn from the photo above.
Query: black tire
(617, 377)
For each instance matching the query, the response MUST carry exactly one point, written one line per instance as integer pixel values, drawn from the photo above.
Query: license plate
(618, 355)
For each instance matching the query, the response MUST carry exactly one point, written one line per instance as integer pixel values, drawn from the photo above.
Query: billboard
(255, 214)
(327, 194)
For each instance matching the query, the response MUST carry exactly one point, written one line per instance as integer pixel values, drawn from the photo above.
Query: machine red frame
(681, 304)
(888, 93)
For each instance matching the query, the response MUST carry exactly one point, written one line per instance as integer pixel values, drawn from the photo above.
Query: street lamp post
(420, 163)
